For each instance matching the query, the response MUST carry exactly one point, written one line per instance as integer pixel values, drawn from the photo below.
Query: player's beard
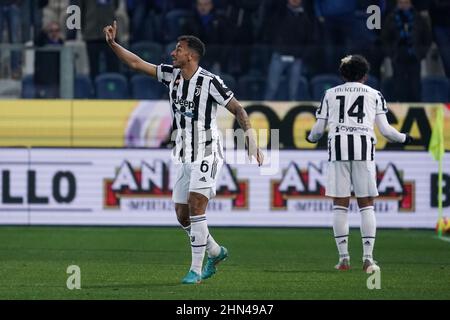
(177, 64)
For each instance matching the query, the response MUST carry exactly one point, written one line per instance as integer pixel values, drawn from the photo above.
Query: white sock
(212, 248)
(188, 230)
(341, 230)
(368, 231)
(199, 234)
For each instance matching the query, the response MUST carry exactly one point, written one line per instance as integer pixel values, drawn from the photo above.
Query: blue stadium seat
(167, 51)
(435, 89)
(283, 90)
(229, 81)
(323, 82)
(387, 89)
(111, 86)
(146, 88)
(373, 82)
(28, 87)
(177, 23)
(251, 87)
(149, 51)
(83, 88)
(303, 90)
(448, 90)
(260, 59)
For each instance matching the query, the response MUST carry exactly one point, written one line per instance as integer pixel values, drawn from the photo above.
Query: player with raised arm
(351, 110)
(194, 94)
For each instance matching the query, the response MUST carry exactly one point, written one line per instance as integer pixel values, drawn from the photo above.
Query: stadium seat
(146, 88)
(83, 87)
(229, 81)
(435, 89)
(251, 87)
(176, 22)
(260, 59)
(373, 82)
(111, 86)
(303, 90)
(283, 90)
(323, 82)
(167, 51)
(149, 51)
(387, 89)
(28, 87)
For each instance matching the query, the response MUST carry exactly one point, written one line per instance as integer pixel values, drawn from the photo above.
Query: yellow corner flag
(436, 148)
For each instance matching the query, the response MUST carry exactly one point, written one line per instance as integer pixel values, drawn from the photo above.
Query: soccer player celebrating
(194, 94)
(350, 110)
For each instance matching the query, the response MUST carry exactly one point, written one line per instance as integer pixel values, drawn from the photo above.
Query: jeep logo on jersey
(303, 189)
(184, 103)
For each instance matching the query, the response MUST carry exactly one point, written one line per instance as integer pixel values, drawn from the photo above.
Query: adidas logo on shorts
(202, 179)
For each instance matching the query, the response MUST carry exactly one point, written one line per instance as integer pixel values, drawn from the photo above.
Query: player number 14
(359, 114)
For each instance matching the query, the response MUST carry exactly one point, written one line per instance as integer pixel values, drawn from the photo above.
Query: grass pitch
(148, 263)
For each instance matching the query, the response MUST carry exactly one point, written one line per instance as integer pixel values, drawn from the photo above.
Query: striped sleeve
(381, 104)
(322, 110)
(164, 73)
(220, 92)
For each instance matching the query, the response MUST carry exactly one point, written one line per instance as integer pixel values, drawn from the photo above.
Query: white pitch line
(442, 238)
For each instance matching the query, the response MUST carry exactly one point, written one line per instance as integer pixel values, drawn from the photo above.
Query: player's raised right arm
(129, 58)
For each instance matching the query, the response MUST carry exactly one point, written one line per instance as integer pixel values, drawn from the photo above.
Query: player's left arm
(242, 118)
(383, 125)
(390, 132)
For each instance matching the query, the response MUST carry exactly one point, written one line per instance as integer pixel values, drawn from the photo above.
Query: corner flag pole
(440, 210)
(436, 148)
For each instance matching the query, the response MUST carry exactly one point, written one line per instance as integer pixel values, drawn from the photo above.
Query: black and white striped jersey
(350, 110)
(194, 105)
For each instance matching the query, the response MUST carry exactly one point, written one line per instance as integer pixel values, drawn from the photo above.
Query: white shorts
(199, 177)
(342, 175)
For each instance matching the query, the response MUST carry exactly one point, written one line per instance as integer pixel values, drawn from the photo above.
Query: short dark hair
(354, 67)
(195, 44)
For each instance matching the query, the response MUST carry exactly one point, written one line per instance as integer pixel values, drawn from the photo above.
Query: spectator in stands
(95, 14)
(407, 38)
(10, 16)
(336, 18)
(367, 41)
(56, 10)
(47, 63)
(214, 30)
(290, 35)
(142, 12)
(440, 19)
(32, 16)
(241, 15)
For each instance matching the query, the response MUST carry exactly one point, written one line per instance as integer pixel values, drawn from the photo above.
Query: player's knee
(182, 211)
(197, 203)
(342, 202)
(365, 202)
